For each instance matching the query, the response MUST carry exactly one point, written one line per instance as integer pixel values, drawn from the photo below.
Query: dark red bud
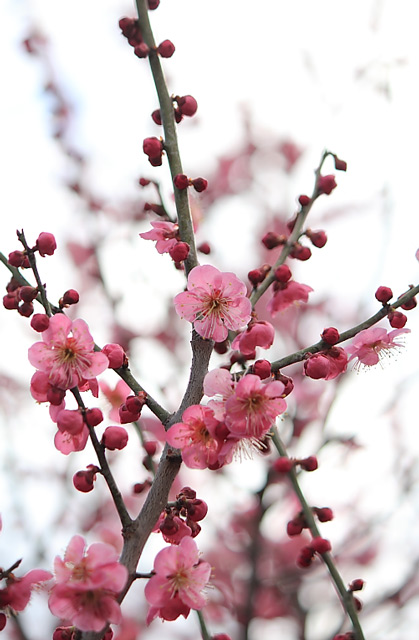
(283, 273)
(321, 545)
(181, 181)
(340, 165)
(299, 252)
(204, 248)
(187, 105)
(330, 335)
(16, 258)
(262, 368)
(272, 240)
(397, 319)
(141, 50)
(309, 464)
(304, 200)
(318, 238)
(199, 184)
(179, 252)
(40, 322)
(383, 294)
(283, 465)
(326, 184)
(166, 49)
(25, 309)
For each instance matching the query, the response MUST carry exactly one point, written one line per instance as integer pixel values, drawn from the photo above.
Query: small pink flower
(18, 590)
(196, 436)
(370, 345)
(165, 233)
(215, 302)
(179, 580)
(68, 360)
(287, 294)
(258, 334)
(254, 406)
(87, 585)
(219, 383)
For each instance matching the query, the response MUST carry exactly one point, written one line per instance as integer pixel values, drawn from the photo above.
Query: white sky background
(325, 74)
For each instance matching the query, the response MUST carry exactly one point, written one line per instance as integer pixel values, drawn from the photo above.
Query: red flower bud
(46, 244)
(199, 184)
(262, 368)
(150, 447)
(181, 181)
(299, 252)
(326, 184)
(356, 585)
(152, 147)
(70, 297)
(179, 252)
(383, 294)
(153, 4)
(330, 335)
(340, 165)
(304, 200)
(283, 273)
(40, 322)
(16, 258)
(324, 514)
(141, 50)
(114, 438)
(10, 301)
(93, 417)
(197, 510)
(309, 464)
(27, 294)
(397, 319)
(283, 464)
(83, 480)
(204, 248)
(187, 105)
(116, 355)
(272, 240)
(166, 49)
(318, 238)
(321, 545)
(143, 182)
(410, 304)
(25, 309)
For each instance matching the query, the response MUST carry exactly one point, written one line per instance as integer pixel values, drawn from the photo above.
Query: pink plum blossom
(287, 294)
(180, 577)
(258, 334)
(18, 590)
(326, 365)
(252, 408)
(370, 345)
(69, 360)
(165, 233)
(215, 302)
(87, 585)
(201, 439)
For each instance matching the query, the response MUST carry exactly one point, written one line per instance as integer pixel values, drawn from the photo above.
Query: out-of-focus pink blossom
(180, 577)
(215, 302)
(115, 396)
(258, 334)
(18, 590)
(287, 294)
(87, 585)
(218, 383)
(371, 345)
(69, 360)
(253, 407)
(166, 235)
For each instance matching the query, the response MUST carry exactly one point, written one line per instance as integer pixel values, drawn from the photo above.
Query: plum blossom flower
(17, 592)
(369, 346)
(201, 438)
(69, 360)
(286, 294)
(258, 334)
(214, 302)
(326, 365)
(87, 584)
(165, 233)
(253, 407)
(180, 577)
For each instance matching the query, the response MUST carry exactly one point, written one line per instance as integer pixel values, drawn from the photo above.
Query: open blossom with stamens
(370, 345)
(287, 294)
(201, 438)
(87, 585)
(215, 302)
(253, 407)
(180, 577)
(69, 360)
